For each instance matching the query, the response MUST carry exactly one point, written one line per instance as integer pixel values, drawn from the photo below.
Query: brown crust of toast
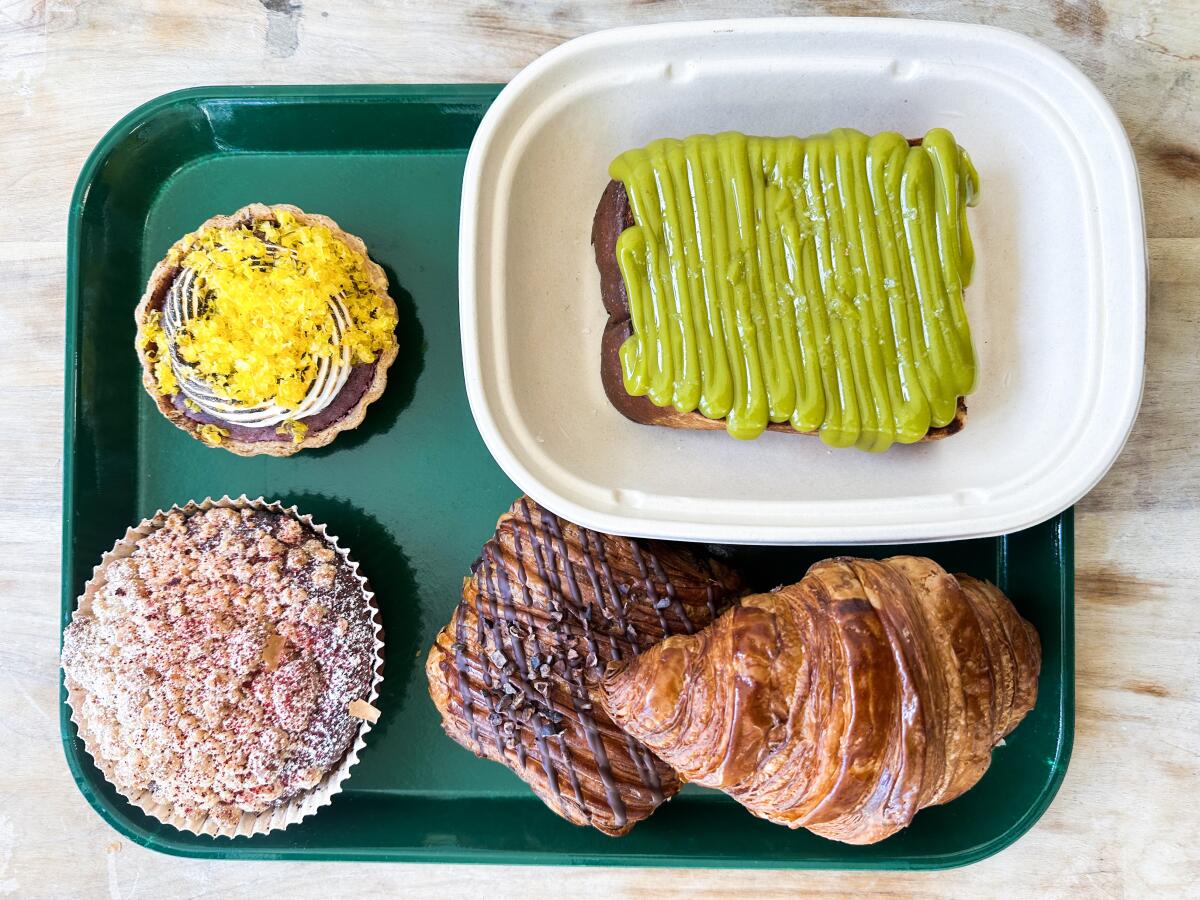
(614, 215)
(160, 281)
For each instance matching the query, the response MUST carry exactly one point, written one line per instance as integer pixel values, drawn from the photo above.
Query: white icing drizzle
(183, 303)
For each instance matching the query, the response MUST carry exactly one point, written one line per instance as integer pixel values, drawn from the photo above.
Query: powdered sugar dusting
(219, 659)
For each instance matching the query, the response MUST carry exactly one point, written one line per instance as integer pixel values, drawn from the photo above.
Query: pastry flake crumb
(361, 709)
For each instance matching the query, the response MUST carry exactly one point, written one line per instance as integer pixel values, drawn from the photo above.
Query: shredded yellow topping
(296, 429)
(212, 434)
(266, 321)
(153, 341)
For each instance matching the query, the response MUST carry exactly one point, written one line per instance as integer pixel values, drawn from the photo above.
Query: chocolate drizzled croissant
(547, 606)
(842, 704)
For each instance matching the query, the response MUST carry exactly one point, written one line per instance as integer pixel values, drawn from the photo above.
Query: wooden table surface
(1124, 822)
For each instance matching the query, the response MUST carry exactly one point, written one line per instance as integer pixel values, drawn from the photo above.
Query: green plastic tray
(414, 493)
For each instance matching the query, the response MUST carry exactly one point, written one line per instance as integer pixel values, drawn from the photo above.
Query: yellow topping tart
(256, 321)
(266, 320)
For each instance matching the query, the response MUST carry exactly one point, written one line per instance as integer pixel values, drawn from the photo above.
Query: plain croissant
(842, 704)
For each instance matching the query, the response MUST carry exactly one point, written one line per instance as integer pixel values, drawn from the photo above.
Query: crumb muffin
(222, 663)
(266, 331)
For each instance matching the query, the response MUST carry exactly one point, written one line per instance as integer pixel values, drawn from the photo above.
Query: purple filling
(347, 398)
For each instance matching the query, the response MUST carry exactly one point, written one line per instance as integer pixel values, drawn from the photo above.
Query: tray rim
(82, 768)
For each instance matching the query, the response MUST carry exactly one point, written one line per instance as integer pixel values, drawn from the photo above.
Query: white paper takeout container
(1057, 305)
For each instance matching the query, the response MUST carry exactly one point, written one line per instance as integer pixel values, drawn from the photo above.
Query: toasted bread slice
(613, 215)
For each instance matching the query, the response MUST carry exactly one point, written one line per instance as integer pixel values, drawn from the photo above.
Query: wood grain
(1122, 824)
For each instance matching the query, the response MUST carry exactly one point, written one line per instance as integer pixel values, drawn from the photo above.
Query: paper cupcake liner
(299, 807)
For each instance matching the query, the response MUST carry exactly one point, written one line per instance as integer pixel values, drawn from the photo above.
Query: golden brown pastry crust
(576, 600)
(843, 703)
(159, 282)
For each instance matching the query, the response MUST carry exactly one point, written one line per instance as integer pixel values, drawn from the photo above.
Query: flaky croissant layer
(843, 703)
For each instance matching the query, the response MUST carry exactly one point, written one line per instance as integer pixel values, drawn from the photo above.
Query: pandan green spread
(817, 281)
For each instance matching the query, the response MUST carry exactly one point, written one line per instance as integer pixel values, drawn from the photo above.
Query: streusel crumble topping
(220, 660)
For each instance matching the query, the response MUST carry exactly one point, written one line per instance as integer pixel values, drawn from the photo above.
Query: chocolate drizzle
(547, 607)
